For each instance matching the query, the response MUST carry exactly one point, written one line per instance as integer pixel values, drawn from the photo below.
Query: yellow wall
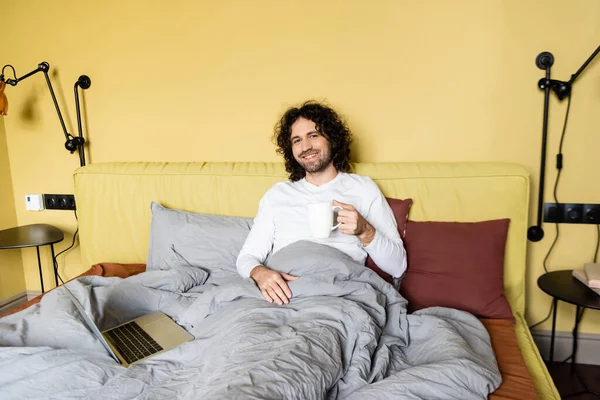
(12, 278)
(430, 80)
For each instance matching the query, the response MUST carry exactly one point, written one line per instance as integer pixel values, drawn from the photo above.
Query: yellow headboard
(113, 201)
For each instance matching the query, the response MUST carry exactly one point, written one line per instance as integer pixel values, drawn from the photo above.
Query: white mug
(320, 219)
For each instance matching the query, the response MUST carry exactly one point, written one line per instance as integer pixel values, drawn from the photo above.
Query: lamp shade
(3, 99)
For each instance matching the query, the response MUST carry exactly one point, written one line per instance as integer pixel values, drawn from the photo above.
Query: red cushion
(400, 208)
(457, 265)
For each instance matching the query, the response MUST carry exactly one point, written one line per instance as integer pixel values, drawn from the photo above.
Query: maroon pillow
(458, 265)
(400, 208)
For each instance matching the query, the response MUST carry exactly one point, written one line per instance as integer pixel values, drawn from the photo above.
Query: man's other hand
(352, 223)
(272, 284)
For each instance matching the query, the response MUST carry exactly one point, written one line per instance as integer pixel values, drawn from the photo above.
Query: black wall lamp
(544, 61)
(73, 143)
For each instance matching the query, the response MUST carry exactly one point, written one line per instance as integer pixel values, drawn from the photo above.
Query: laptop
(139, 338)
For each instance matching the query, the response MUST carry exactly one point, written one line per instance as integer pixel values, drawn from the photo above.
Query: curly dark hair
(327, 122)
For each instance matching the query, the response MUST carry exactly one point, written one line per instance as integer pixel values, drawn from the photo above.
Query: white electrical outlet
(34, 202)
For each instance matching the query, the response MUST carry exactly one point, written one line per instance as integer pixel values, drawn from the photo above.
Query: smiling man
(315, 144)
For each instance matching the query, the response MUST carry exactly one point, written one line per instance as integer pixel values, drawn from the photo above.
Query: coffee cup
(320, 219)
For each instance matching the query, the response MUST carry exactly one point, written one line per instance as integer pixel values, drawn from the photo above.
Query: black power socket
(572, 213)
(59, 202)
(591, 213)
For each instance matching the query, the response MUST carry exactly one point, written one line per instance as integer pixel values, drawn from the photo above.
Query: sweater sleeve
(386, 249)
(259, 242)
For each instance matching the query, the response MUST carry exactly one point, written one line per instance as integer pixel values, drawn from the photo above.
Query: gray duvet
(344, 335)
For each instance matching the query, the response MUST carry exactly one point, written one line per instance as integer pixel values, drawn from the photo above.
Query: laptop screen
(90, 323)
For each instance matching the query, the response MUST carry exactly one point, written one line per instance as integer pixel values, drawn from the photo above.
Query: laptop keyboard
(132, 342)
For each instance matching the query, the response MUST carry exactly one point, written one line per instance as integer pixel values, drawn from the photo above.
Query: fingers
(266, 296)
(348, 222)
(283, 286)
(352, 222)
(348, 213)
(349, 218)
(288, 277)
(274, 296)
(345, 206)
(277, 293)
(275, 289)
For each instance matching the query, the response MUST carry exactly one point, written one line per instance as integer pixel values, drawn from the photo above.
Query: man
(315, 144)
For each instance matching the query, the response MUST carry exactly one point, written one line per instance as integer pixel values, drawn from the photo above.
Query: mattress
(516, 380)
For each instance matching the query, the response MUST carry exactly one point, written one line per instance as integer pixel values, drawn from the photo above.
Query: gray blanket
(344, 335)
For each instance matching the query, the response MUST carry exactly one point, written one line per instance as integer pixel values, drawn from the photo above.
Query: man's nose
(306, 145)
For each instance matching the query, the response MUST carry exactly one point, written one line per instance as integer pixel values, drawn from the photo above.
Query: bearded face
(310, 148)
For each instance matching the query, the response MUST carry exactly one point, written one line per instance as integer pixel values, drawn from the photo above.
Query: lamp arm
(585, 64)
(44, 67)
(84, 82)
(563, 89)
(544, 60)
(72, 143)
(543, 155)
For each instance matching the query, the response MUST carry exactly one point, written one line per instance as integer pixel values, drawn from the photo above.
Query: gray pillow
(179, 238)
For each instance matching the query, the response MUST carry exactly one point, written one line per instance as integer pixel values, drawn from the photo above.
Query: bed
(121, 237)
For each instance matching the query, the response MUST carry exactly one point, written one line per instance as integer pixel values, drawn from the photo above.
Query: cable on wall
(55, 260)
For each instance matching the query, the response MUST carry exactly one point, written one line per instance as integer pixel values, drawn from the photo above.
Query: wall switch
(34, 202)
(553, 212)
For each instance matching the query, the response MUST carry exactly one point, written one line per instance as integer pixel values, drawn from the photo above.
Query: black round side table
(35, 235)
(562, 285)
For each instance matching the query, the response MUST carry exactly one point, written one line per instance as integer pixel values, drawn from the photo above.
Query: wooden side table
(561, 285)
(35, 235)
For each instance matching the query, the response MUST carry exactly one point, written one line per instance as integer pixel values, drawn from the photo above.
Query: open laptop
(137, 339)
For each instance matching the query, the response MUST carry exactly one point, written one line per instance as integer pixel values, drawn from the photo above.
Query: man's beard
(323, 161)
